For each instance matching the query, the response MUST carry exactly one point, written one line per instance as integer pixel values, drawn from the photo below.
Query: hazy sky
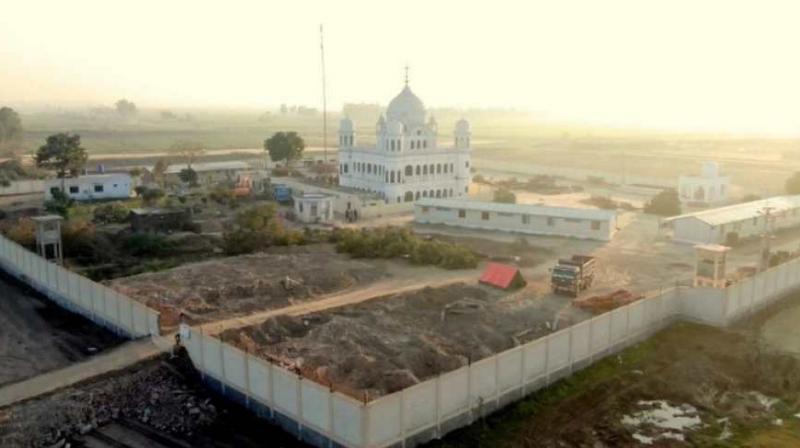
(694, 64)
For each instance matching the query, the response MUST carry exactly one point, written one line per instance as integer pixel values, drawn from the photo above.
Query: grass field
(759, 165)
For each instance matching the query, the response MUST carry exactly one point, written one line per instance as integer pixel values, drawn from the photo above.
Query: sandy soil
(392, 342)
(690, 385)
(234, 286)
(37, 336)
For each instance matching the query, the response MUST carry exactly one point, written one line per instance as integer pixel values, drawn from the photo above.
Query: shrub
(255, 229)
(146, 244)
(112, 212)
(280, 171)
(394, 242)
(505, 196)
(221, 194)
(665, 203)
(151, 195)
(60, 204)
(23, 232)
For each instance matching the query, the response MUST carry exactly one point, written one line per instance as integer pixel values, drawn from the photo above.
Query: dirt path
(119, 358)
(432, 277)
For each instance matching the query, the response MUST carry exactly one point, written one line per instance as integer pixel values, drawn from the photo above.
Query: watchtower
(48, 234)
(710, 270)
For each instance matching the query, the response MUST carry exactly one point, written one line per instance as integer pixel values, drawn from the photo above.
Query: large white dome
(406, 108)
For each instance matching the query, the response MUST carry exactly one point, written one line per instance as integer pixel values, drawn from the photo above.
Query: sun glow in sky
(673, 64)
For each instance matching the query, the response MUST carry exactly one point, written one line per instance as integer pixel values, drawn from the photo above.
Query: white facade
(314, 207)
(407, 162)
(709, 188)
(746, 220)
(583, 223)
(92, 186)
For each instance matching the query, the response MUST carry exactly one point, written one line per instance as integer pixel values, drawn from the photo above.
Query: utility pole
(766, 237)
(324, 99)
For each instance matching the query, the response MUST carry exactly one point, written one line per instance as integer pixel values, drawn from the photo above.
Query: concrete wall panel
(581, 334)
(535, 359)
(384, 420)
(454, 391)
(347, 420)
(258, 372)
(601, 333)
(235, 366)
(212, 361)
(558, 348)
(619, 324)
(636, 317)
(316, 409)
(286, 390)
(420, 405)
(483, 379)
(509, 369)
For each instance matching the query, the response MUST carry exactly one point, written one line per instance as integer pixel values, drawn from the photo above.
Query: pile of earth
(234, 286)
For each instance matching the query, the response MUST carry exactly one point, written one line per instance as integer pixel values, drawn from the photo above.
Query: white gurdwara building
(407, 162)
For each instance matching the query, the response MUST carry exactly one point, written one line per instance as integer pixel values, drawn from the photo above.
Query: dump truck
(572, 275)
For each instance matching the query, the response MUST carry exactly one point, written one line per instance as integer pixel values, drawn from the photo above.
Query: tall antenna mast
(324, 99)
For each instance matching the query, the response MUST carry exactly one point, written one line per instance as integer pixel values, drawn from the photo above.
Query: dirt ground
(393, 342)
(156, 404)
(234, 286)
(690, 385)
(37, 336)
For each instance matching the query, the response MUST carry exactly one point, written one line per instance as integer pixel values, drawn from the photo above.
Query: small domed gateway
(406, 162)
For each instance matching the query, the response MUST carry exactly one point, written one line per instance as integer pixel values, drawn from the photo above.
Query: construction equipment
(572, 275)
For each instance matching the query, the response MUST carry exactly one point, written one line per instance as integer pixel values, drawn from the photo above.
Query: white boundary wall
(430, 409)
(23, 187)
(78, 294)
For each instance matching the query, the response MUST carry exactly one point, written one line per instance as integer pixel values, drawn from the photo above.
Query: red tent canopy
(502, 276)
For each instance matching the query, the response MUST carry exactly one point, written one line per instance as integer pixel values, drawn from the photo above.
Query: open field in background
(759, 165)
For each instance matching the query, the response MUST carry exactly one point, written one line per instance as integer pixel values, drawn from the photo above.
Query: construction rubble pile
(234, 286)
(389, 343)
(153, 395)
(599, 304)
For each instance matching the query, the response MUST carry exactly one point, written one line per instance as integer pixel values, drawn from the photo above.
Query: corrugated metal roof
(524, 209)
(741, 212)
(499, 275)
(209, 166)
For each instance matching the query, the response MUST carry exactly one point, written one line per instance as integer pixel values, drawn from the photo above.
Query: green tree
(151, 195)
(62, 153)
(10, 129)
(793, 184)
(125, 108)
(284, 147)
(665, 203)
(505, 196)
(60, 204)
(254, 229)
(189, 176)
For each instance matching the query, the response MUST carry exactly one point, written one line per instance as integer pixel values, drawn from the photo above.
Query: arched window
(451, 192)
(424, 194)
(431, 169)
(425, 169)
(391, 177)
(425, 144)
(438, 193)
(438, 168)
(409, 196)
(416, 196)
(430, 193)
(417, 170)
(392, 145)
(369, 168)
(409, 170)
(413, 144)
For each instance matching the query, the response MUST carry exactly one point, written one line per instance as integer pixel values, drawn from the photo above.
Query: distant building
(710, 188)
(407, 163)
(208, 172)
(584, 223)
(92, 187)
(746, 220)
(314, 207)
